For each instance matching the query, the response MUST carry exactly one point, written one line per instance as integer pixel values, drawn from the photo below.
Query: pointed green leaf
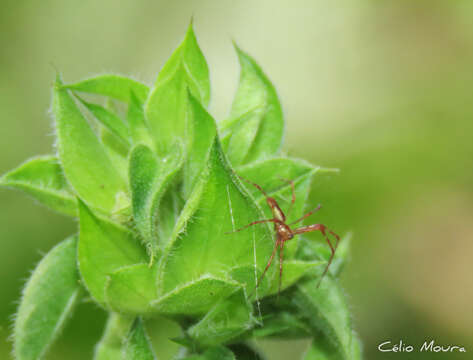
(103, 248)
(136, 120)
(137, 344)
(203, 131)
(312, 250)
(131, 289)
(84, 159)
(107, 118)
(195, 297)
(293, 270)
(47, 302)
(149, 179)
(115, 86)
(255, 128)
(220, 207)
(116, 150)
(166, 107)
(110, 346)
(43, 179)
(227, 320)
(325, 312)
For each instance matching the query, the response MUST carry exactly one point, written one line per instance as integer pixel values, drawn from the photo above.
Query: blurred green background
(381, 89)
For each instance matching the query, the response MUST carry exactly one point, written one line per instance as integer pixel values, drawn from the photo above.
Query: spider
(284, 232)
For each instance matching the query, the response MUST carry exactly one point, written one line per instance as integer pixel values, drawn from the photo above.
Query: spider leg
(269, 263)
(281, 259)
(306, 215)
(323, 229)
(254, 184)
(293, 200)
(250, 224)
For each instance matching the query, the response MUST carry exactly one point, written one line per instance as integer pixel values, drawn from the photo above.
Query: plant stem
(110, 345)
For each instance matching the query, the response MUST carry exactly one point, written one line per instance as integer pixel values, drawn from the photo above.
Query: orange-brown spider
(285, 233)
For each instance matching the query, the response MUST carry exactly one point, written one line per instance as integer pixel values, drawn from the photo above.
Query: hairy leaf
(325, 311)
(103, 248)
(43, 179)
(227, 320)
(84, 159)
(195, 297)
(220, 206)
(47, 302)
(136, 120)
(321, 349)
(214, 353)
(137, 344)
(203, 131)
(255, 128)
(166, 107)
(131, 289)
(111, 121)
(115, 86)
(116, 150)
(149, 178)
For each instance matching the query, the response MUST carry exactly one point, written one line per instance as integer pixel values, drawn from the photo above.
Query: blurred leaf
(255, 128)
(137, 122)
(149, 178)
(293, 270)
(107, 118)
(131, 289)
(47, 302)
(137, 344)
(103, 248)
(215, 208)
(203, 129)
(214, 353)
(166, 107)
(324, 310)
(195, 297)
(110, 346)
(227, 320)
(115, 86)
(243, 351)
(84, 160)
(321, 349)
(116, 150)
(311, 250)
(42, 178)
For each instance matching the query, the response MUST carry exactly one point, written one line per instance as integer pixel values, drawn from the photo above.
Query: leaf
(243, 351)
(311, 250)
(283, 325)
(195, 297)
(166, 106)
(115, 86)
(255, 128)
(137, 344)
(320, 349)
(130, 289)
(216, 207)
(227, 320)
(293, 270)
(110, 346)
(214, 353)
(42, 178)
(116, 150)
(149, 178)
(136, 119)
(107, 118)
(103, 248)
(84, 160)
(203, 131)
(325, 311)
(48, 300)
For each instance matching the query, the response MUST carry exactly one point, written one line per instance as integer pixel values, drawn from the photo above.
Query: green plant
(152, 181)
